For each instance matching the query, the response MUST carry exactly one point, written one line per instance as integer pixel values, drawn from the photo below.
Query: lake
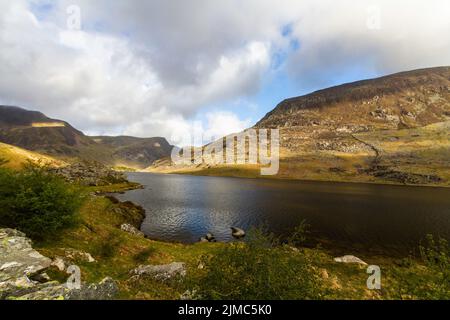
(343, 216)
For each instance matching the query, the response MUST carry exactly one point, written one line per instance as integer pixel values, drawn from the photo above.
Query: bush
(107, 248)
(143, 255)
(257, 270)
(37, 203)
(299, 235)
(431, 282)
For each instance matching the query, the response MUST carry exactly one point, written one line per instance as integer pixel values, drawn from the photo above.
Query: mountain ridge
(392, 129)
(34, 131)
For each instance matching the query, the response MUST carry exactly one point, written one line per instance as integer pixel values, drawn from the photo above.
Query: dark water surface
(183, 208)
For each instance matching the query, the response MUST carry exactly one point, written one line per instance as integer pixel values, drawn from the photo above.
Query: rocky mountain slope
(34, 131)
(393, 129)
(135, 152)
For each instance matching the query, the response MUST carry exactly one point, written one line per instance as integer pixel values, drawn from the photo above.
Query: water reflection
(184, 208)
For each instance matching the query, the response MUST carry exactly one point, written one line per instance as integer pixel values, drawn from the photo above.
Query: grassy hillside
(393, 129)
(16, 157)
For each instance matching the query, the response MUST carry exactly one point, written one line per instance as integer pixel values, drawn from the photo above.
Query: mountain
(393, 129)
(135, 152)
(34, 131)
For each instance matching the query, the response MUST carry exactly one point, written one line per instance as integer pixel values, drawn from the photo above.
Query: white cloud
(148, 67)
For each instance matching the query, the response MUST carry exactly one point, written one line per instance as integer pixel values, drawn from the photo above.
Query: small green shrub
(258, 269)
(37, 202)
(107, 249)
(299, 235)
(144, 255)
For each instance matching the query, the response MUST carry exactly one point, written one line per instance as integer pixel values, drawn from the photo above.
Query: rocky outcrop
(18, 262)
(133, 214)
(161, 272)
(90, 173)
(23, 277)
(132, 230)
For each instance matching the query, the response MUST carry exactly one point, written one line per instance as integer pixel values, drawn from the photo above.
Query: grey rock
(237, 233)
(73, 254)
(17, 257)
(107, 289)
(350, 259)
(59, 263)
(23, 277)
(90, 173)
(132, 230)
(161, 272)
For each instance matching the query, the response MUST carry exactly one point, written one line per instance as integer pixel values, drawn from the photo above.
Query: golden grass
(17, 157)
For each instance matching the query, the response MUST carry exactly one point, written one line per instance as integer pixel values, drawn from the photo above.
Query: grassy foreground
(211, 267)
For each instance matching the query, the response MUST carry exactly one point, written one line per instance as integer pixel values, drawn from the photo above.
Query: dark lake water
(184, 208)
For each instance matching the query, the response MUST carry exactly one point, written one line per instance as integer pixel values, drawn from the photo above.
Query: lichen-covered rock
(107, 289)
(23, 277)
(17, 257)
(48, 291)
(132, 230)
(161, 272)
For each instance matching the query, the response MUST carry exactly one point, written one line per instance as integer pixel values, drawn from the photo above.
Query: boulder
(350, 259)
(59, 263)
(73, 254)
(132, 230)
(161, 272)
(106, 289)
(23, 277)
(17, 257)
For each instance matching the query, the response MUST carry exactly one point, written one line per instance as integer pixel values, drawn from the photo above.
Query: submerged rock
(237, 233)
(161, 272)
(350, 259)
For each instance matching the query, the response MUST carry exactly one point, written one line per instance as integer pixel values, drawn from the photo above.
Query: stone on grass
(161, 272)
(132, 230)
(350, 259)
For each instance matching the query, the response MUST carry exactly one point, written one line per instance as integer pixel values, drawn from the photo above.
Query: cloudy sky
(162, 68)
